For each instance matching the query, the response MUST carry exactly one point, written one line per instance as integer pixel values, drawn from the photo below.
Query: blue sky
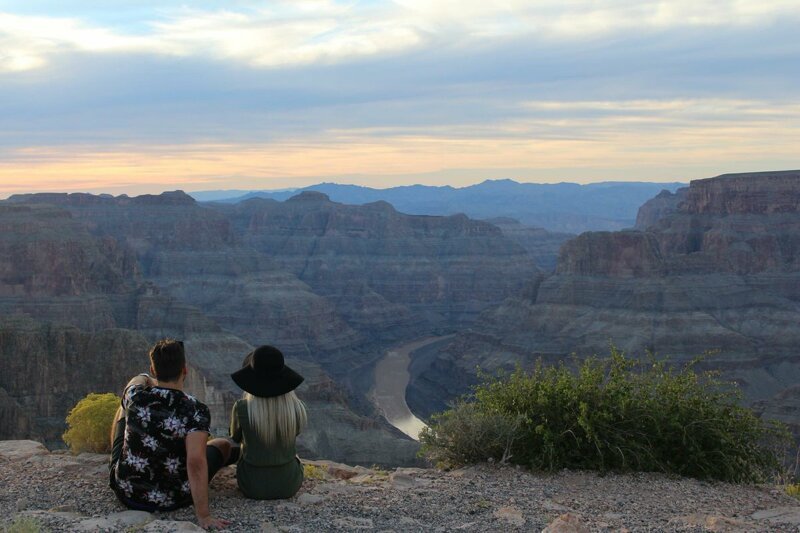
(147, 96)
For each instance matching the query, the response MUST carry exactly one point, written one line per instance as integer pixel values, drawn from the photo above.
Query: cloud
(294, 91)
(633, 140)
(325, 31)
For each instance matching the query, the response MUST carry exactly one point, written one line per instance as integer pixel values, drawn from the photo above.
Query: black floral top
(152, 468)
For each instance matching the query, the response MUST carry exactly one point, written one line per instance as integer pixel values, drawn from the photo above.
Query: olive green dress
(264, 473)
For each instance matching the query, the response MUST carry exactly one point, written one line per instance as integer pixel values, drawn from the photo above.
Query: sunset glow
(276, 95)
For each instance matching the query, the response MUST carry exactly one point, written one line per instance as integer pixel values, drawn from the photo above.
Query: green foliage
(22, 524)
(793, 489)
(611, 414)
(313, 472)
(89, 423)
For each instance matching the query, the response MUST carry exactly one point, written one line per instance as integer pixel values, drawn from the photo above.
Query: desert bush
(313, 472)
(89, 422)
(612, 413)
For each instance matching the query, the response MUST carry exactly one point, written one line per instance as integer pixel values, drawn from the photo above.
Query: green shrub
(610, 414)
(89, 423)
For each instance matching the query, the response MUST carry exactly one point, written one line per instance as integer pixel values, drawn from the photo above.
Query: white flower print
(126, 487)
(136, 462)
(150, 442)
(129, 394)
(175, 425)
(159, 498)
(164, 393)
(172, 464)
(185, 488)
(198, 416)
(143, 414)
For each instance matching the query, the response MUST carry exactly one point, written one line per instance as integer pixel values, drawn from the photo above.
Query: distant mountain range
(560, 207)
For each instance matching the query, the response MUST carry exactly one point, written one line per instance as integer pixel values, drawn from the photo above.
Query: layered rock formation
(48, 367)
(389, 274)
(332, 285)
(719, 270)
(542, 246)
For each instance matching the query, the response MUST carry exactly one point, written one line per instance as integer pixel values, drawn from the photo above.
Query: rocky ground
(61, 492)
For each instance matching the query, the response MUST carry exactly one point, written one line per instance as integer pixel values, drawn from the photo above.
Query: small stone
(512, 515)
(22, 504)
(566, 523)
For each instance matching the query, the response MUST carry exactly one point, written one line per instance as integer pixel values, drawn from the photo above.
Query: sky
(148, 96)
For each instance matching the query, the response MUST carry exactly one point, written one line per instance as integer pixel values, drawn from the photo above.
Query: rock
(21, 504)
(566, 523)
(779, 515)
(19, 450)
(131, 519)
(512, 515)
(714, 523)
(403, 481)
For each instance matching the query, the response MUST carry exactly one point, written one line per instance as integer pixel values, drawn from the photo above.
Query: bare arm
(197, 470)
(236, 429)
(142, 379)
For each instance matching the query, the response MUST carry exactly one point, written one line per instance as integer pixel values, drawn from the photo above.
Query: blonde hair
(277, 419)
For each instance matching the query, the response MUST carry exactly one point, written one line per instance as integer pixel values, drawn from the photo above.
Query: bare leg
(224, 446)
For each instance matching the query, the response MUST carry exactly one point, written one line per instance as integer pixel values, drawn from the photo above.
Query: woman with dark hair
(266, 421)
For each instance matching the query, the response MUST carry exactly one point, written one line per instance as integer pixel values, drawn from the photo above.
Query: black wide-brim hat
(265, 374)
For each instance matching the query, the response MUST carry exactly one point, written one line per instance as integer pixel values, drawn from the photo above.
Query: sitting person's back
(161, 459)
(152, 470)
(266, 423)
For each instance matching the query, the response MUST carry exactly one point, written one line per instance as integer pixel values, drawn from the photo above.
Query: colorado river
(389, 390)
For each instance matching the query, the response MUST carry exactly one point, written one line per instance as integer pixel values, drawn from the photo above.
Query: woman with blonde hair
(266, 422)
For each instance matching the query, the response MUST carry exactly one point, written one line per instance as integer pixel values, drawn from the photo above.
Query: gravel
(66, 493)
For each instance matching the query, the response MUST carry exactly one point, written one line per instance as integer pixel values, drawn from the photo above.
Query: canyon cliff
(713, 267)
(332, 285)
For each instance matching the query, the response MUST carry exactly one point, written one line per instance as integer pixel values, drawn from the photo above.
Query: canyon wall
(716, 267)
(332, 285)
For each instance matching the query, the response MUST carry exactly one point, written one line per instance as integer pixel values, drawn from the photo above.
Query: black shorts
(214, 458)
